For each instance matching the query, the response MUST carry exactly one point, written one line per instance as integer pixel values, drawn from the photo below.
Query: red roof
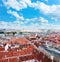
(19, 40)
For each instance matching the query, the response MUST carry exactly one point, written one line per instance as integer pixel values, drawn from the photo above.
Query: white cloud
(46, 0)
(12, 3)
(55, 26)
(11, 25)
(4, 24)
(28, 2)
(50, 26)
(31, 20)
(33, 26)
(45, 8)
(55, 19)
(15, 4)
(22, 25)
(42, 20)
(15, 25)
(14, 13)
(51, 11)
(18, 5)
(37, 20)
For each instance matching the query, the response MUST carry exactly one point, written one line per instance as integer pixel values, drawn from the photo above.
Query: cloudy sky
(30, 14)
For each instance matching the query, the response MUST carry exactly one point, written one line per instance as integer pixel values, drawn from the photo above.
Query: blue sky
(30, 14)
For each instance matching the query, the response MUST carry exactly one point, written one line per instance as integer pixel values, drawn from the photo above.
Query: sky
(29, 14)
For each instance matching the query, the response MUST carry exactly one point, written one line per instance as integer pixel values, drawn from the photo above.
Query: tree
(21, 32)
(1, 32)
(14, 33)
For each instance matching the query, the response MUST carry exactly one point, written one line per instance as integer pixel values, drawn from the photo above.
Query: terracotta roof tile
(3, 60)
(13, 60)
(19, 40)
(2, 49)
